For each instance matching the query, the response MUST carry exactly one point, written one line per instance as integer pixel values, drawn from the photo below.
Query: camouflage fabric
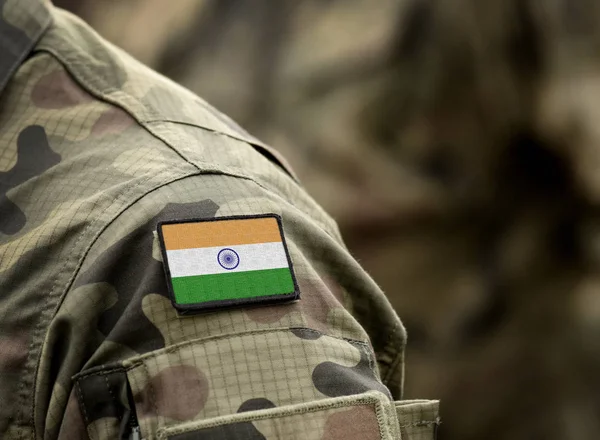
(95, 150)
(363, 417)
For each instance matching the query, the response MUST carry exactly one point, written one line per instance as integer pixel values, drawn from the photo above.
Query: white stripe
(203, 261)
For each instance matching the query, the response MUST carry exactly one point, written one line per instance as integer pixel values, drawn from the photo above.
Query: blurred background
(457, 144)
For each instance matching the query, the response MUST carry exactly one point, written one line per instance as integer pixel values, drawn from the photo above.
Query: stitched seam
(370, 359)
(83, 409)
(122, 196)
(66, 63)
(393, 366)
(112, 396)
(80, 393)
(350, 340)
(152, 393)
(248, 140)
(369, 354)
(421, 424)
(23, 51)
(380, 420)
(363, 401)
(38, 329)
(99, 372)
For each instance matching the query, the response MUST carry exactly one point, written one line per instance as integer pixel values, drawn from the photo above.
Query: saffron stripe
(220, 233)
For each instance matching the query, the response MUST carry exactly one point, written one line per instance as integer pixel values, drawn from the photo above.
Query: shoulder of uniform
(157, 103)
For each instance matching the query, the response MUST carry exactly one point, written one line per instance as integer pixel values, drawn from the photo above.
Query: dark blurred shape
(466, 104)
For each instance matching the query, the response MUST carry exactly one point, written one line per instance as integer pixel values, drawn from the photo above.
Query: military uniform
(95, 151)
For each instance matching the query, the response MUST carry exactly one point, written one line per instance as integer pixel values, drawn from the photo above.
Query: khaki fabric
(366, 416)
(95, 150)
(418, 419)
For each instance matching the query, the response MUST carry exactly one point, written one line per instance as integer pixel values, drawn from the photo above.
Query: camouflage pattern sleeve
(169, 369)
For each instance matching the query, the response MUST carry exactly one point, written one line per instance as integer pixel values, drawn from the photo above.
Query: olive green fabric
(95, 150)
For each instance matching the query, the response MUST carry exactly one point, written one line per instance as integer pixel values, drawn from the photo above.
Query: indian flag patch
(227, 261)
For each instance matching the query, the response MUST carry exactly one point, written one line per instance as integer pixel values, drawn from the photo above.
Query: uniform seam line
(24, 51)
(311, 330)
(152, 392)
(83, 409)
(101, 370)
(380, 421)
(122, 196)
(37, 329)
(101, 96)
(254, 144)
(419, 424)
(112, 396)
(80, 394)
(368, 401)
(202, 127)
(393, 367)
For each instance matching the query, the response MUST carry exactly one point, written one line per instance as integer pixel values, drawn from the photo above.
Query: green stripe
(235, 285)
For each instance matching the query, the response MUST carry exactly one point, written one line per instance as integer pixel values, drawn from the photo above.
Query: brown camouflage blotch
(73, 425)
(179, 392)
(334, 287)
(103, 429)
(13, 351)
(112, 121)
(269, 314)
(315, 303)
(358, 423)
(57, 90)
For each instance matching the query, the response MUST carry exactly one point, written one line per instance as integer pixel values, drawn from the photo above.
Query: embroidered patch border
(225, 262)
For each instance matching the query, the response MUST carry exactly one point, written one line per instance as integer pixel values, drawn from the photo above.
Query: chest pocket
(364, 416)
(276, 384)
(367, 416)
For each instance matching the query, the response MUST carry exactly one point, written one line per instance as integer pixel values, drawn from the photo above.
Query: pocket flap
(362, 417)
(418, 419)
